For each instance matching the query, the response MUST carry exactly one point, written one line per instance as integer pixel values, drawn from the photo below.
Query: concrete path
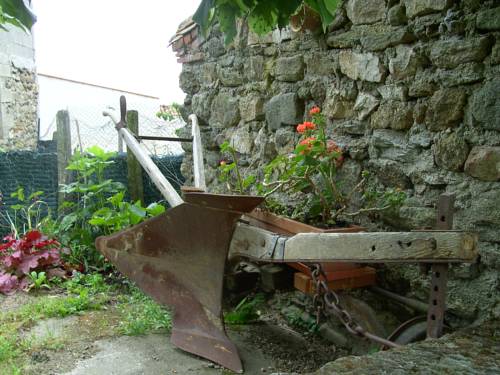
(154, 354)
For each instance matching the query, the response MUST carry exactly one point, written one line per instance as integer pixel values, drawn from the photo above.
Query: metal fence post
(135, 184)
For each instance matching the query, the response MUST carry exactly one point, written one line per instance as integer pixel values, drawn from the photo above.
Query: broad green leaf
(202, 14)
(18, 10)
(155, 209)
(263, 18)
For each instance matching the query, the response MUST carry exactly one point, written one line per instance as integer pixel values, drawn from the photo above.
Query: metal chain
(327, 302)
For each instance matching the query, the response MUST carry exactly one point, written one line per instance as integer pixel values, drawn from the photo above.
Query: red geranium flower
(301, 128)
(314, 110)
(309, 125)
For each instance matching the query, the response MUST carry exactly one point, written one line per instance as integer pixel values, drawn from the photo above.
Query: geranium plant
(311, 170)
(20, 256)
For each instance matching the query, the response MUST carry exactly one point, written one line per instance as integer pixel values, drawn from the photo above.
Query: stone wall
(411, 89)
(18, 90)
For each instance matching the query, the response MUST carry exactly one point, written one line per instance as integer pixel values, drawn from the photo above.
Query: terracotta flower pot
(352, 275)
(305, 19)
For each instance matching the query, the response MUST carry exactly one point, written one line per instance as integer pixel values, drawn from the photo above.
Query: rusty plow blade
(178, 259)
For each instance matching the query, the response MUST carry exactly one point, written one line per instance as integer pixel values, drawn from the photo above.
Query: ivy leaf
(202, 14)
(286, 9)
(20, 14)
(331, 6)
(263, 18)
(227, 14)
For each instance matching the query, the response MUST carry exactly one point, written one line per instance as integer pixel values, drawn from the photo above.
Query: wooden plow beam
(376, 247)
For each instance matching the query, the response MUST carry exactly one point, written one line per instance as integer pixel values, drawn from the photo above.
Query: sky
(117, 43)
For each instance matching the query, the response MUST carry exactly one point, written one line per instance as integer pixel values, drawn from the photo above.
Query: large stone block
(255, 68)
(224, 111)
(484, 163)
(393, 92)
(289, 69)
(251, 108)
(242, 140)
(365, 11)
(321, 63)
(188, 82)
(485, 105)
(338, 108)
(421, 7)
(405, 63)
(381, 38)
(346, 39)
(450, 152)
(445, 109)
(230, 77)
(461, 75)
(394, 115)
(284, 109)
(200, 105)
(396, 16)
(449, 53)
(488, 19)
(363, 66)
(365, 105)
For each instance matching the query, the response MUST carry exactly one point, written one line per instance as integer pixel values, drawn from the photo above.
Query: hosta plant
(19, 257)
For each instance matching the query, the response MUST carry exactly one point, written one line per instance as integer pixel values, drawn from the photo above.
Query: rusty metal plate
(178, 258)
(238, 203)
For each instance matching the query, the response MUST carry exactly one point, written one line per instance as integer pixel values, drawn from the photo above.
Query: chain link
(327, 302)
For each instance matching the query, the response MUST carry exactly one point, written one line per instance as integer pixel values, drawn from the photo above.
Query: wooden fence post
(135, 185)
(63, 137)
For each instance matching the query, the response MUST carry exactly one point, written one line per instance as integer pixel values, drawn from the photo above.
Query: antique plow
(178, 257)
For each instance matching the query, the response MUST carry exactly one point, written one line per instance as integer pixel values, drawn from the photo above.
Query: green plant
(246, 311)
(141, 314)
(15, 12)
(120, 214)
(96, 207)
(38, 280)
(311, 171)
(170, 112)
(29, 212)
(262, 15)
(230, 173)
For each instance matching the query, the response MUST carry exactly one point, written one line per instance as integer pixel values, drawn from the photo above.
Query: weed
(246, 311)
(141, 315)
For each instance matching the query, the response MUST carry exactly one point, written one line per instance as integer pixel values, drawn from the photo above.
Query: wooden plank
(134, 170)
(383, 247)
(198, 167)
(252, 242)
(379, 247)
(63, 136)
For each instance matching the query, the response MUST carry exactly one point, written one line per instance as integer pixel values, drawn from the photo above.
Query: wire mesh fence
(37, 170)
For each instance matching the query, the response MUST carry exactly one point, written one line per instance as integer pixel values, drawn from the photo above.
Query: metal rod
(381, 340)
(168, 139)
(410, 302)
(165, 188)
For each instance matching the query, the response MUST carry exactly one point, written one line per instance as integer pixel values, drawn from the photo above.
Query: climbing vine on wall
(262, 15)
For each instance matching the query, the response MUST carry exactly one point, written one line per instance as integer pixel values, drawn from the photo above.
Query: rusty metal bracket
(439, 272)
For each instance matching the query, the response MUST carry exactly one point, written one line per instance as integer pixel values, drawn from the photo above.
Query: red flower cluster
(307, 142)
(314, 110)
(306, 125)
